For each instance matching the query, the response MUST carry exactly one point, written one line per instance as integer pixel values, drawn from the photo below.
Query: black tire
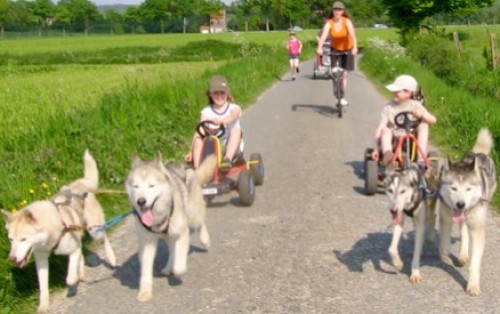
(314, 70)
(246, 187)
(257, 168)
(371, 177)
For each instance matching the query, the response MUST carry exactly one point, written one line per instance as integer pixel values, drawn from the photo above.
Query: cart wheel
(209, 198)
(368, 154)
(433, 159)
(314, 70)
(257, 168)
(371, 177)
(246, 187)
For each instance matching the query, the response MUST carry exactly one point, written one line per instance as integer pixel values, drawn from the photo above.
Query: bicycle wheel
(338, 93)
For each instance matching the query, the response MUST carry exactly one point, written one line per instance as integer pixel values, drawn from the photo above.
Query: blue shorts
(293, 57)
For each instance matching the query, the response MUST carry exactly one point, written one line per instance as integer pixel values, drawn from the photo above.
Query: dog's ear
(447, 163)
(475, 166)
(29, 217)
(136, 160)
(158, 158)
(7, 216)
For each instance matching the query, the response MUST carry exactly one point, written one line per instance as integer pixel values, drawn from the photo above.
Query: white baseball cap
(403, 82)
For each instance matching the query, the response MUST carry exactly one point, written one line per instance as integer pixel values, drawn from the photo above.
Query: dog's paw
(415, 279)
(398, 264)
(166, 271)
(462, 261)
(145, 295)
(42, 309)
(72, 280)
(473, 290)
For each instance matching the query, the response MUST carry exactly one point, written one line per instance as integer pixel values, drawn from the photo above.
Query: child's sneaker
(225, 165)
(344, 102)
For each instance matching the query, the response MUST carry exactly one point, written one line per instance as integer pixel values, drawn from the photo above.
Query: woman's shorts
(293, 57)
(345, 61)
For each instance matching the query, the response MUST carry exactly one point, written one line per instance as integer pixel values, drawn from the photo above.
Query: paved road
(311, 243)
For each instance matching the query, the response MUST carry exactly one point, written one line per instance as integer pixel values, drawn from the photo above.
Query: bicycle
(337, 73)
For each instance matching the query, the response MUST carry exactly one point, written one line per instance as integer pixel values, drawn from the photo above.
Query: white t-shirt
(392, 109)
(209, 113)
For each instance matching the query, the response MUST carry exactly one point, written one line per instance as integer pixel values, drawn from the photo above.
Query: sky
(135, 2)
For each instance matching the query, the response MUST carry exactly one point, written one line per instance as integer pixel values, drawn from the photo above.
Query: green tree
(84, 12)
(22, 13)
(132, 17)
(64, 15)
(266, 7)
(158, 11)
(292, 10)
(44, 12)
(114, 19)
(5, 15)
(184, 8)
(408, 14)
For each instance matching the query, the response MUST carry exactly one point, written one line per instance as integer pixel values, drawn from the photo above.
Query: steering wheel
(406, 120)
(206, 127)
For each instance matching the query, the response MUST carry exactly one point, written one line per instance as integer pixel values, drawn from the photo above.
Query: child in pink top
(294, 46)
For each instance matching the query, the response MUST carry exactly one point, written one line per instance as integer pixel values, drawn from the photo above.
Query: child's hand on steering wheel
(417, 114)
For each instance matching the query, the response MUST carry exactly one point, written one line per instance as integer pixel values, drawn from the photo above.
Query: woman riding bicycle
(341, 30)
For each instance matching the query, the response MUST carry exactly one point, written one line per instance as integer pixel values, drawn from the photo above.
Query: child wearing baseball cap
(221, 110)
(404, 88)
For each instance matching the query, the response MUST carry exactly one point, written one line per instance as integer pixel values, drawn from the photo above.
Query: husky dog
(466, 191)
(57, 226)
(407, 190)
(168, 202)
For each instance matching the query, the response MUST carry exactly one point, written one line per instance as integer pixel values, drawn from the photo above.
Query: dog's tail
(484, 142)
(90, 172)
(205, 172)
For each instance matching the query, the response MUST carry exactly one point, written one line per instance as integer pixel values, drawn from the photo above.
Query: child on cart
(221, 110)
(406, 98)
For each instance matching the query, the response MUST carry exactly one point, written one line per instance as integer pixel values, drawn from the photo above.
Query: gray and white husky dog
(410, 195)
(466, 191)
(168, 203)
(57, 226)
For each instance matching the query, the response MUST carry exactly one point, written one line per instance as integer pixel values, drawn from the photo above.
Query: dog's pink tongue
(396, 218)
(458, 217)
(147, 217)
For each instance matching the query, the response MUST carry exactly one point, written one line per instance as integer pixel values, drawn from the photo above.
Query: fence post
(457, 45)
(494, 51)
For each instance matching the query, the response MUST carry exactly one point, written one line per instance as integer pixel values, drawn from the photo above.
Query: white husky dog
(57, 226)
(408, 194)
(168, 202)
(466, 191)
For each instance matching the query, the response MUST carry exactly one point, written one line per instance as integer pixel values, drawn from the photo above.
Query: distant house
(217, 23)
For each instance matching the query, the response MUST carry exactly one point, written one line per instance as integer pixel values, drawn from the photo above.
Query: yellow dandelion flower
(13, 209)
(31, 191)
(48, 193)
(23, 202)
(45, 186)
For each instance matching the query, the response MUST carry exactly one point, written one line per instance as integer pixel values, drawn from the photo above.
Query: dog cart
(323, 62)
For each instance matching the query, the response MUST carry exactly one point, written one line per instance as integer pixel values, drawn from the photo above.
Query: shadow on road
(321, 109)
(129, 272)
(373, 248)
